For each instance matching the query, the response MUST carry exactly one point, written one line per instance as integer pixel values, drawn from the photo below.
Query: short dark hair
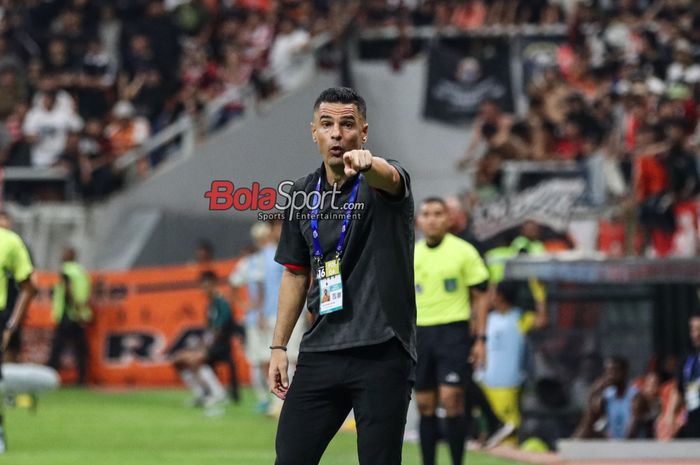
(342, 95)
(208, 275)
(434, 199)
(508, 290)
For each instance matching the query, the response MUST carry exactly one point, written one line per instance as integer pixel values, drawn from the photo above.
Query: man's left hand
(356, 161)
(478, 355)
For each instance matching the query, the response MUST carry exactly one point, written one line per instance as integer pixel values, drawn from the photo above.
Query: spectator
(492, 122)
(127, 131)
(97, 77)
(614, 403)
(288, 60)
(109, 32)
(688, 387)
(12, 91)
(96, 174)
(60, 64)
(46, 127)
(163, 35)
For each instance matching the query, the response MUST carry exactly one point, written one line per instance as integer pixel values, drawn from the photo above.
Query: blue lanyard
(318, 251)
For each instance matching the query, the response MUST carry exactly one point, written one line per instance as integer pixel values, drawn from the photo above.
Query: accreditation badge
(330, 287)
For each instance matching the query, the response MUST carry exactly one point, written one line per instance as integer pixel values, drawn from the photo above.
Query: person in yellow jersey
(15, 262)
(71, 312)
(451, 283)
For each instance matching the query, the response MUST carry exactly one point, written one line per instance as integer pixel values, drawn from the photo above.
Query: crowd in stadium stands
(623, 101)
(82, 82)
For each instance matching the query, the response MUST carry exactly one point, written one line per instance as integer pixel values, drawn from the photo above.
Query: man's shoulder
(459, 244)
(10, 238)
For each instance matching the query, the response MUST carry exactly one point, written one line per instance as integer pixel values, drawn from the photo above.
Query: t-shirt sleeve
(21, 266)
(405, 185)
(474, 270)
(292, 250)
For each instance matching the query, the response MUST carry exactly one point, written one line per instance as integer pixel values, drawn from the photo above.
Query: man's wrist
(278, 347)
(480, 338)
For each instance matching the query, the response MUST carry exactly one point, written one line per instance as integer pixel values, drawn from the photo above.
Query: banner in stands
(538, 53)
(459, 78)
(548, 203)
(140, 317)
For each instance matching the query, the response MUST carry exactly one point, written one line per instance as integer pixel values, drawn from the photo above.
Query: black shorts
(443, 354)
(218, 353)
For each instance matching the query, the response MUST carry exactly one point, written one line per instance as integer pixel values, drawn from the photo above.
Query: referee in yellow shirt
(451, 280)
(14, 262)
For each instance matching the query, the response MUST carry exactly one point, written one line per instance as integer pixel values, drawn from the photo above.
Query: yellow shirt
(443, 275)
(14, 261)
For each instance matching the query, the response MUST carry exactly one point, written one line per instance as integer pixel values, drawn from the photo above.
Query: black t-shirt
(376, 266)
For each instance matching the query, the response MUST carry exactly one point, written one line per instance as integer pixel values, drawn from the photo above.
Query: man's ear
(313, 130)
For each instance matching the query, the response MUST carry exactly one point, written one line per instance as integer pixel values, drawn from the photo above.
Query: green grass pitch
(154, 427)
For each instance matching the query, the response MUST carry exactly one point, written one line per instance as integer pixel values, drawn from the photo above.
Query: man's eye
(348, 124)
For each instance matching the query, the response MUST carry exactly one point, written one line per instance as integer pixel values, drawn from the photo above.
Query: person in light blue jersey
(250, 273)
(616, 407)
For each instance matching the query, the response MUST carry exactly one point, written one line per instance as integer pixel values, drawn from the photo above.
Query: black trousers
(375, 381)
(70, 332)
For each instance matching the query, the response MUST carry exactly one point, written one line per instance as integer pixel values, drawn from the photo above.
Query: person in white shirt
(46, 126)
(289, 60)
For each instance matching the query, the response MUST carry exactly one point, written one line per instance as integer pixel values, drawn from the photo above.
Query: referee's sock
(429, 433)
(456, 432)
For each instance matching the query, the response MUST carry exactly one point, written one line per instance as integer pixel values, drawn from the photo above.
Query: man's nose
(335, 132)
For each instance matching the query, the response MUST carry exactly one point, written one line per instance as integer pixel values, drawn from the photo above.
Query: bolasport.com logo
(272, 202)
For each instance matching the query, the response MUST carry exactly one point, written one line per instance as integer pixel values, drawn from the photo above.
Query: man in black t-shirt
(354, 237)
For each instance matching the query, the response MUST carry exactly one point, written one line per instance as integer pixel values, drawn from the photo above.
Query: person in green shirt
(194, 365)
(451, 283)
(14, 262)
(71, 312)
